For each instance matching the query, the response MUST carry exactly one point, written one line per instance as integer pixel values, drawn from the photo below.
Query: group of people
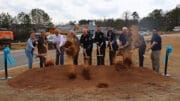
(42, 47)
(123, 44)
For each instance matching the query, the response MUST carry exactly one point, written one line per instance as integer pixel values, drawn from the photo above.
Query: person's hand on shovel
(98, 47)
(111, 46)
(58, 47)
(133, 49)
(152, 45)
(85, 54)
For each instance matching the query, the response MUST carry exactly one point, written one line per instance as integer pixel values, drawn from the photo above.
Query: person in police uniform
(91, 48)
(86, 42)
(112, 44)
(101, 45)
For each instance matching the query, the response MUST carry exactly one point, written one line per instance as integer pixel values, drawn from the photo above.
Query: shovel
(99, 54)
(86, 58)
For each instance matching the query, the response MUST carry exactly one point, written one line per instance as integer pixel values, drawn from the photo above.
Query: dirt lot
(127, 84)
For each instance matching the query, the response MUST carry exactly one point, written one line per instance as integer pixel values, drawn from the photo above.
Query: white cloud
(65, 10)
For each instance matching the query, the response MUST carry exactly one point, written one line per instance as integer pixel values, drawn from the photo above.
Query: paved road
(20, 57)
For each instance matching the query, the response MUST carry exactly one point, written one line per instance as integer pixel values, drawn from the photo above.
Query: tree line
(23, 23)
(37, 19)
(164, 21)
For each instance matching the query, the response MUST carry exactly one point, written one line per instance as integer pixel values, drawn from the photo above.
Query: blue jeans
(60, 57)
(29, 55)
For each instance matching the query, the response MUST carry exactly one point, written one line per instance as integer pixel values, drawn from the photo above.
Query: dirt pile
(71, 72)
(127, 61)
(100, 76)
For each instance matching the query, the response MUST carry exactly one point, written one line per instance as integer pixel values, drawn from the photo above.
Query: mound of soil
(100, 76)
(127, 62)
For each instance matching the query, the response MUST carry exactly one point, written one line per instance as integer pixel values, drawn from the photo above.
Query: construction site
(91, 82)
(89, 50)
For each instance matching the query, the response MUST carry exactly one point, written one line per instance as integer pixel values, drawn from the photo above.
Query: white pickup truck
(176, 29)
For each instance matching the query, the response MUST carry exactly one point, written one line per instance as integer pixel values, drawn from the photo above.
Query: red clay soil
(101, 76)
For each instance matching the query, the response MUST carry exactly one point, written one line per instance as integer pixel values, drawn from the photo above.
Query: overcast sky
(66, 10)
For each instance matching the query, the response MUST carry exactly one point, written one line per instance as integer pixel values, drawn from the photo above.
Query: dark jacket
(126, 39)
(100, 39)
(156, 38)
(86, 41)
(111, 37)
(41, 42)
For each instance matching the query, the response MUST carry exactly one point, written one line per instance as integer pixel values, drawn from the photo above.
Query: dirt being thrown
(70, 49)
(72, 72)
(56, 77)
(127, 62)
(49, 62)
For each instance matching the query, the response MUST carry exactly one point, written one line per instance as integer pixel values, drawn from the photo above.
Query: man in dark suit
(101, 45)
(86, 42)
